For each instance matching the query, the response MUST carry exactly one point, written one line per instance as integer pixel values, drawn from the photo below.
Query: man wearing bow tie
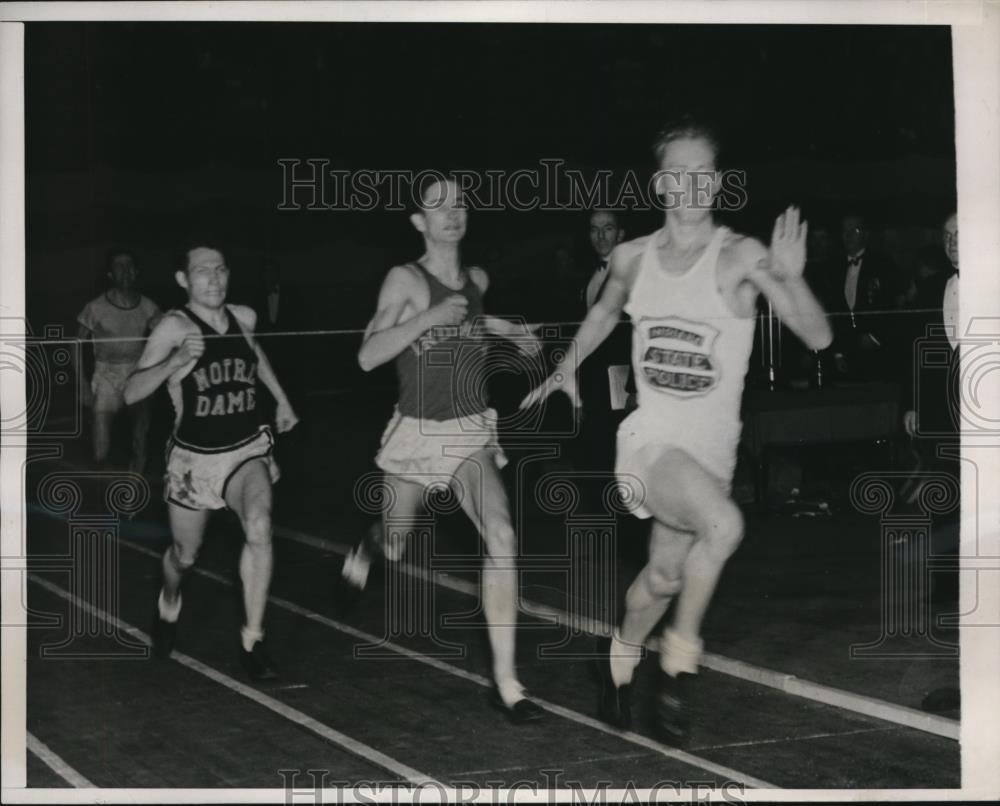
(605, 234)
(861, 299)
(932, 421)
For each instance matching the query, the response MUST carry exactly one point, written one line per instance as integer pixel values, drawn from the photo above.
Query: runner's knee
(724, 531)
(663, 580)
(183, 557)
(257, 526)
(499, 538)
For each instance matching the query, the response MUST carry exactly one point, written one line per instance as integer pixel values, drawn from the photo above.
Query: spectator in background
(862, 299)
(930, 406)
(117, 323)
(606, 232)
(932, 417)
(930, 275)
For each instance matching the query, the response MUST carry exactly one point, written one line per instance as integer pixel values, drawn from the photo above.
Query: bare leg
(187, 527)
(249, 496)
(103, 420)
(648, 597)
(692, 496)
(686, 497)
(139, 415)
(484, 500)
(404, 502)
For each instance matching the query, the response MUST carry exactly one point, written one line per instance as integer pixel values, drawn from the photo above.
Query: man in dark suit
(861, 298)
(931, 398)
(931, 405)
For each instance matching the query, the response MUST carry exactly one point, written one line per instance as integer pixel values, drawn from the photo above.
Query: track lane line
(333, 736)
(781, 681)
(780, 739)
(784, 682)
(55, 762)
(566, 713)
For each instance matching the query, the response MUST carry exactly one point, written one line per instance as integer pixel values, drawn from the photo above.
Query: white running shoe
(356, 567)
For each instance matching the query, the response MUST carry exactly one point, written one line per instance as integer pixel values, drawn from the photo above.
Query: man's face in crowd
(853, 235)
(950, 236)
(122, 271)
(605, 234)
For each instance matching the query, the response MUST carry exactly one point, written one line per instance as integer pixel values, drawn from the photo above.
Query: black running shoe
(257, 663)
(671, 713)
(614, 703)
(163, 633)
(520, 713)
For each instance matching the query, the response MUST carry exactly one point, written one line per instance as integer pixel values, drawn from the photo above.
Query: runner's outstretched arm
(599, 323)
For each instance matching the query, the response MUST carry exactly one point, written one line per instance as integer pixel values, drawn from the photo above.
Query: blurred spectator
(931, 402)
(606, 232)
(922, 305)
(117, 323)
(930, 274)
(931, 420)
(862, 300)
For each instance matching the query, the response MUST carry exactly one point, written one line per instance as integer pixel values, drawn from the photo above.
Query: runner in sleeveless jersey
(220, 453)
(430, 321)
(691, 290)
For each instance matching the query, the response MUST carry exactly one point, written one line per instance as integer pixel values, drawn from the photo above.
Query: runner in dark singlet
(430, 321)
(220, 454)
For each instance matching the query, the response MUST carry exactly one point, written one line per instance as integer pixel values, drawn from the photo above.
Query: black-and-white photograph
(473, 408)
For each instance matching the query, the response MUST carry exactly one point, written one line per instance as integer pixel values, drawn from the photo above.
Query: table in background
(794, 417)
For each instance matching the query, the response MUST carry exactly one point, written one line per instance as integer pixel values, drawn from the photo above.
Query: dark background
(139, 134)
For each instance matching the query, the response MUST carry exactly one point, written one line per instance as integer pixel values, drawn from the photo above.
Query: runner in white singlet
(690, 356)
(691, 289)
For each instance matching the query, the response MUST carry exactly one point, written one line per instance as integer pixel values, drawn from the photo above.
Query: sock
(169, 612)
(679, 654)
(250, 637)
(624, 660)
(510, 690)
(356, 567)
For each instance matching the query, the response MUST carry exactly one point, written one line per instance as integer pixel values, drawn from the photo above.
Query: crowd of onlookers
(877, 305)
